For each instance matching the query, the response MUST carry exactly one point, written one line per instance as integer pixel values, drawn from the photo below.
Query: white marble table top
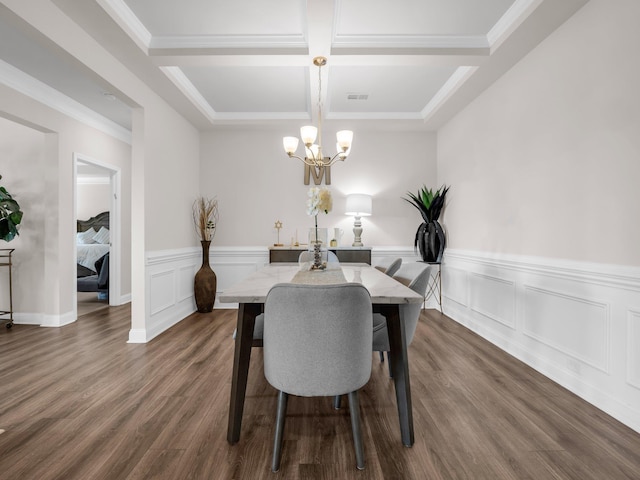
(382, 288)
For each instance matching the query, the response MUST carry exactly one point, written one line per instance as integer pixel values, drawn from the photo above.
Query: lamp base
(357, 233)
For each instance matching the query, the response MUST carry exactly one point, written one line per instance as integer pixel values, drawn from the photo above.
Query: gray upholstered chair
(416, 276)
(307, 256)
(317, 342)
(389, 265)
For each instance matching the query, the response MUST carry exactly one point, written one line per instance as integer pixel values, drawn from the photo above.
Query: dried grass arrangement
(205, 217)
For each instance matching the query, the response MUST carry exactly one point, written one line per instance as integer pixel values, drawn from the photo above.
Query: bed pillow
(86, 237)
(102, 236)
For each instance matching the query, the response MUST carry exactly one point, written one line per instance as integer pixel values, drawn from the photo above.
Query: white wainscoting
(170, 280)
(577, 323)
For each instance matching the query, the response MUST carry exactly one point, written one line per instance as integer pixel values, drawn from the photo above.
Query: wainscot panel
(493, 297)
(577, 323)
(633, 348)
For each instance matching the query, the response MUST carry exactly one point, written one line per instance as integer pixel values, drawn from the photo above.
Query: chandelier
(313, 151)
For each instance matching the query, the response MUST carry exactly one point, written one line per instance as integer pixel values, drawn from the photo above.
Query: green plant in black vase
(10, 215)
(430, 239)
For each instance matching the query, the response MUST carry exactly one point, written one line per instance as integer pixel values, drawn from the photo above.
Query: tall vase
(205, 282)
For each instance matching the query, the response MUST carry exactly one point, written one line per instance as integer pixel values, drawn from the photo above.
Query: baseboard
(28, 318)
(44, 320)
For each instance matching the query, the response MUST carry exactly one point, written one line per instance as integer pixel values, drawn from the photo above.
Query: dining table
(386, 293)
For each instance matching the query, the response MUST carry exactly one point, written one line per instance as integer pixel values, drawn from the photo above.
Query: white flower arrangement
(319, 201)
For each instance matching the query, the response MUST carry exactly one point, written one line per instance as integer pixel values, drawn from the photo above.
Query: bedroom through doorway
(96, 202)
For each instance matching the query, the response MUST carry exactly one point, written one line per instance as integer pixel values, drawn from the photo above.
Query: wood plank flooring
(78, 402)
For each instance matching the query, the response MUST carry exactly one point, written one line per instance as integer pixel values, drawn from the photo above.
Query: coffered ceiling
(407, 62)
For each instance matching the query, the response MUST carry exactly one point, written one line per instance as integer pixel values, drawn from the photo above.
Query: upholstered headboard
(100, 220)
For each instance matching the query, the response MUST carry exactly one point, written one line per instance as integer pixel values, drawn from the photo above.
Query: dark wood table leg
(400, 368)
(247, 313)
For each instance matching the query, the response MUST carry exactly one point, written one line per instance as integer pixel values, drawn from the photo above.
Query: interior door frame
(115, 227)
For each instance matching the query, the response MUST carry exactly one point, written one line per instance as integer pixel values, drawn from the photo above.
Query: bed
(92, 240)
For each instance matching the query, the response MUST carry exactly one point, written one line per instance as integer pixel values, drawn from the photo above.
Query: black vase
(430, 241)
(205, 282)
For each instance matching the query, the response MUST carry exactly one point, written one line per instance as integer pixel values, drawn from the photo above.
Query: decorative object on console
(358, 205)
(205, 219)
(10, 215)
(278, 226)
(314, 158)
(430, 238)
(319, 200)
(337, 235)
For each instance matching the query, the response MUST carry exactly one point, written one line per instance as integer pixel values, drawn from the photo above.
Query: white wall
(172, 168)
(543, 210)
(92, 199)
(256, 184)
(545, 162)
(21, 167)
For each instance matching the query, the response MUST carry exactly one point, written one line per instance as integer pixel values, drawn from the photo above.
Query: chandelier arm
(336, 158)
(304, 160)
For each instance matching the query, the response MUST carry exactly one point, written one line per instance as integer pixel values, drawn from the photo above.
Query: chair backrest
(307, 256)
(389, 265)
(416, 276)
(317, 338)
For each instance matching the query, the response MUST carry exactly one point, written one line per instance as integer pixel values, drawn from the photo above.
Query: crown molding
(259, 42)
(180, 80)
(454, 82)
(43, 93)
(437, 42)
(511, 20)
(127, 20)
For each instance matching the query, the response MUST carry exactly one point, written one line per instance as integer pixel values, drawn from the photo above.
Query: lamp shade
(358, 205)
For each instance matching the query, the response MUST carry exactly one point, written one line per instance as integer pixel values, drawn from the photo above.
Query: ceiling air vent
(357, 96)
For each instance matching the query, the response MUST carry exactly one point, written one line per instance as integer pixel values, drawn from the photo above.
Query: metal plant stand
(435, 285)
(5, 261)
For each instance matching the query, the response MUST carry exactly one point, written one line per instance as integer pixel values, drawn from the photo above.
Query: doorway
(97, 198)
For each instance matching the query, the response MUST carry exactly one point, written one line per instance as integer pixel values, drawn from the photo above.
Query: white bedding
(89, 254)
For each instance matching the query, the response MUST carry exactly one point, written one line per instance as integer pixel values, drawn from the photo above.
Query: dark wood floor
(78, 402)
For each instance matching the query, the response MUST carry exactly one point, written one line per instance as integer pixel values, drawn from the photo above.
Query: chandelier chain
(320, 111)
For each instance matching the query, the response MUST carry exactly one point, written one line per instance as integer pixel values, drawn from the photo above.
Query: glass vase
(318, 243)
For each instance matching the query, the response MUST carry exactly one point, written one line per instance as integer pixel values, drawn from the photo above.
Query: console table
(344, 254)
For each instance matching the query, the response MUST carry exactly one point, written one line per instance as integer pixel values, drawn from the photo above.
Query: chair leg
(277, 439)
(337, 401)
(354, 410)
(381, 357)
(389, 363)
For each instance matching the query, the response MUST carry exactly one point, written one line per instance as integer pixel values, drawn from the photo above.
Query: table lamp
(358, 205)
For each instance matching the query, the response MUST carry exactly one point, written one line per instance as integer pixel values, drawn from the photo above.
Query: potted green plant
(430, 239)
(10, 215)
